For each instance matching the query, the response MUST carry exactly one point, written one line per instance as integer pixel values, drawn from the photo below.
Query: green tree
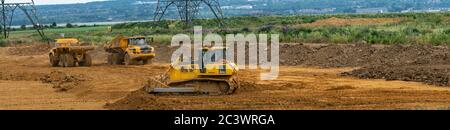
(54, 25)
(23, 27)
(69, 25)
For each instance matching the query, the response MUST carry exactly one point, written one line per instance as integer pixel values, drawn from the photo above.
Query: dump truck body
(68, 53)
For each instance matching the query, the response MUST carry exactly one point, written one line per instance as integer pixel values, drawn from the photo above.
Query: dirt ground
(356, 21)
(22, 78)
(27, 82)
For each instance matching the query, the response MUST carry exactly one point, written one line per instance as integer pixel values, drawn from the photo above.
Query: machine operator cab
(140, 45)
(138, 41)
(211, 60)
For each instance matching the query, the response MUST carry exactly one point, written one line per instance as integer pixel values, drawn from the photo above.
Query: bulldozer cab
(66, 42)
(210, 56)
(215, 55)
(207, 73)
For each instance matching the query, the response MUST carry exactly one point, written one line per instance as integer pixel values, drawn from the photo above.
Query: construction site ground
(355, 77)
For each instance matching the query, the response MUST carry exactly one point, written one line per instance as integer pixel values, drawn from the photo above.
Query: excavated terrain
(355, 21)
(312, 76)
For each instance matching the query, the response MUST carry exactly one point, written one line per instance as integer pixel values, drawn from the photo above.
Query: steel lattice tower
(188, 9)
(7, 14)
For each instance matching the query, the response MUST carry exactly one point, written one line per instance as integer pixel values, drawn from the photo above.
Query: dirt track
(357, 21)
(99, 84)
(27, 82)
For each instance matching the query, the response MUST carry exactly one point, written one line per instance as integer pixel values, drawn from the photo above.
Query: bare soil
(62, 81)
(432, 74)
(310, 78)
(82, 87)
(357, 21)
(300, 88)
(362, 55)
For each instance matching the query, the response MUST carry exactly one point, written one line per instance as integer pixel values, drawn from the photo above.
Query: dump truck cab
(139, 48)
(130, 50)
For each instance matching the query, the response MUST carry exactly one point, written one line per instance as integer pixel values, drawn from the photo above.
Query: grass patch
(409, 28)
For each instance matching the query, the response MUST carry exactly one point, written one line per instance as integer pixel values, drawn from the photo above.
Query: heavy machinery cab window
(138, 42)
(217, 55)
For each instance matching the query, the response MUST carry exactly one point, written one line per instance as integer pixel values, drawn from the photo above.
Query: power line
(188, 9)
(28, 8)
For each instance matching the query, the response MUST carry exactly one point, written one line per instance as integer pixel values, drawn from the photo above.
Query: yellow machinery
(68, 52)
(212, 77)
(129, 51)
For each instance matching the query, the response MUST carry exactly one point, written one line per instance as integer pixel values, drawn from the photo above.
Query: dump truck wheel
(62, 60)
(114, 59)
(145, 62)
(69, 61)
(128, 60)
(87, 60)
(109, 60)
(54, 61)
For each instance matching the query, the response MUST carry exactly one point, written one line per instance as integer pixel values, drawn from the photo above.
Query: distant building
(227, 7)
(407, 11)
(371, 11)
(316, 11)
(244, 7)
(237, 7)
(429, 10)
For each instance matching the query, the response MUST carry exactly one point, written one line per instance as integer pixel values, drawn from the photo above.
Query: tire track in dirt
(297, 87)
(106, 83)
(300, 88)
(34, 95)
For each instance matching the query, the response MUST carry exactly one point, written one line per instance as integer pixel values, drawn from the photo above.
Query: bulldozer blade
(174, 90)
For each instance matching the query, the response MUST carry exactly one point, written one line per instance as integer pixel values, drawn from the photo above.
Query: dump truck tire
(68, 60)
(54, 61)
(109, 60)
(128, 60)
(87, 60)
(145, 62)
(114, 59)
(62, 60)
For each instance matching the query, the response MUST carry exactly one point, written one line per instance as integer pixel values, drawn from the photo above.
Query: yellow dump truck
(130, 51)
(68, 53)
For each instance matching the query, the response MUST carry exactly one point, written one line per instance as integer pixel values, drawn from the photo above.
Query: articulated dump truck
(130, 51)
(68, 53)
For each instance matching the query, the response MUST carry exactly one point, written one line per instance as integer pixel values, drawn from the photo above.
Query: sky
(47, 2)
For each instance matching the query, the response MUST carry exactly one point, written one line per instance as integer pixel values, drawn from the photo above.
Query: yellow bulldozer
(68, 53)
(130, 51)
(215, 77)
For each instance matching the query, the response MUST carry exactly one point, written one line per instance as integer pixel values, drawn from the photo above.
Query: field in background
(413, 28)
(94, 34)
